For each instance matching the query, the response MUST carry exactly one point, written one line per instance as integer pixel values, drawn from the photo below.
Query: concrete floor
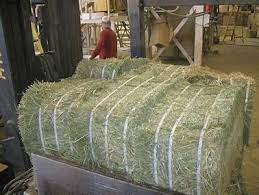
(245, 59)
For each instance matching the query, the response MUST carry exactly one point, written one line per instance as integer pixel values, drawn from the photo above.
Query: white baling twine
(55, 115)
(113, 73)
(155, 172)
(125, 130)
(103, 71)
(72, 148)
(167, 68)
(199, 154)
(92, 116)
(41, 131)
(55, 121)
(161, 84)
(91, 74)
(247, 95)
(109, 113)
(91, 134)
(170, 144)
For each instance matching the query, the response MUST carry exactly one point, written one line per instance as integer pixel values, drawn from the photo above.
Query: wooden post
(109, 8)
(198, 36)
(137, 28)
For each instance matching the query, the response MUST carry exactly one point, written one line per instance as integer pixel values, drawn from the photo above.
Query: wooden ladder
(231, 29)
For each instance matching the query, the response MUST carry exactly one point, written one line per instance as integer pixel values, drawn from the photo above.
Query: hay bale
(109, 68)
(175, 128)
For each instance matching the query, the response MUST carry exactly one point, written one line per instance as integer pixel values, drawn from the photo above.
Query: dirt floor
(245, 59)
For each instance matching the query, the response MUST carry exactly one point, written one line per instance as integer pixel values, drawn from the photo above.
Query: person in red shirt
(107, 44)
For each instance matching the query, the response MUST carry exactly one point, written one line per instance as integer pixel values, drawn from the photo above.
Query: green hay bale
(109, 68)
(176, 128)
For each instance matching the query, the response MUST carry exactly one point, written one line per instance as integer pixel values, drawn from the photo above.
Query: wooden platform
(56, 177)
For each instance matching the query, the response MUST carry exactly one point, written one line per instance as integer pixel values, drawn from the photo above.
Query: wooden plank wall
(65, 35)
(19, 43)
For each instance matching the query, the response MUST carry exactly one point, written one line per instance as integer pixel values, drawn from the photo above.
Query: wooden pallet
(58, 177)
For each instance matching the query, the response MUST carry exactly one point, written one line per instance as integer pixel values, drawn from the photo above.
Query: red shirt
(107, 45)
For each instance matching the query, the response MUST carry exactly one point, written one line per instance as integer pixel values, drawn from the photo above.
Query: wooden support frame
(184, 52)
(175, 40)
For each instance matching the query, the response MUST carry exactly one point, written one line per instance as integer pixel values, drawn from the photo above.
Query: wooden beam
(184, 52)
(197, 2)
(198, 42)
(137, 27)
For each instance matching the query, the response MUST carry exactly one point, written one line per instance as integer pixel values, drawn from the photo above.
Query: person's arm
(99, 46)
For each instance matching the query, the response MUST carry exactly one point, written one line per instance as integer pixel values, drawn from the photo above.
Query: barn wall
(65, 35)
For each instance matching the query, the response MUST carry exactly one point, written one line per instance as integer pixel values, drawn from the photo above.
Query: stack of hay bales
(109, 68)
(171, 127)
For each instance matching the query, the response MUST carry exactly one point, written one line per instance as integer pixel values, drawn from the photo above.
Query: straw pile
(171, 127)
